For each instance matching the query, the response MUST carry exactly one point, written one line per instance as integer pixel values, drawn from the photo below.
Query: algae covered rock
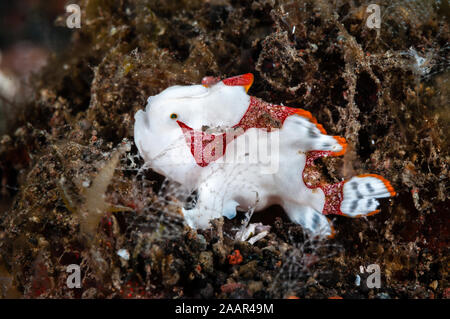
(69, 153)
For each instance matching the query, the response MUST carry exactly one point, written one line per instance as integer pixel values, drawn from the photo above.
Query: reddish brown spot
(264, 115)
(235, 258)
(207, 148)
(333, 192)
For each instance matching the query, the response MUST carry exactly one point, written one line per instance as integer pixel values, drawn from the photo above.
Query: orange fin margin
(311, 118)
(333, 231)
(343, 143)
(363, 215)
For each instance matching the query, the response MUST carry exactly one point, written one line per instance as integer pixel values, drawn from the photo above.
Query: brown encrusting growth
(78, 196)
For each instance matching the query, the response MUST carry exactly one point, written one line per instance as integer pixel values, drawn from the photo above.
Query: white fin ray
(360, 193)
(313, 222)
(308, 136)
(365, 186)
(356, 207)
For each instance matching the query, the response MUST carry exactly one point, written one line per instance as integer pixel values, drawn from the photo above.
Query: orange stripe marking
(341, 142)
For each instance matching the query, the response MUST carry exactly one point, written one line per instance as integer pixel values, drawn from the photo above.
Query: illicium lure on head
(207, 138)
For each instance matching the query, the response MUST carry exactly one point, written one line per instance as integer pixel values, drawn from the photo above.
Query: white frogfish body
(239, 152)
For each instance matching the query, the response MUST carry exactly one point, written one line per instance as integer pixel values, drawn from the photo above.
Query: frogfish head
(159, 129)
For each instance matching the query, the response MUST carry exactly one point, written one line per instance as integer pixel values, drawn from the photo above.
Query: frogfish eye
(173, 116)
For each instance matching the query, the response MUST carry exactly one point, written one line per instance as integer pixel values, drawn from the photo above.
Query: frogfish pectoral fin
(360, 194)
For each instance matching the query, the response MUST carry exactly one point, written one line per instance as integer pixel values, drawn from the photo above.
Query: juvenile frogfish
(239, 152)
